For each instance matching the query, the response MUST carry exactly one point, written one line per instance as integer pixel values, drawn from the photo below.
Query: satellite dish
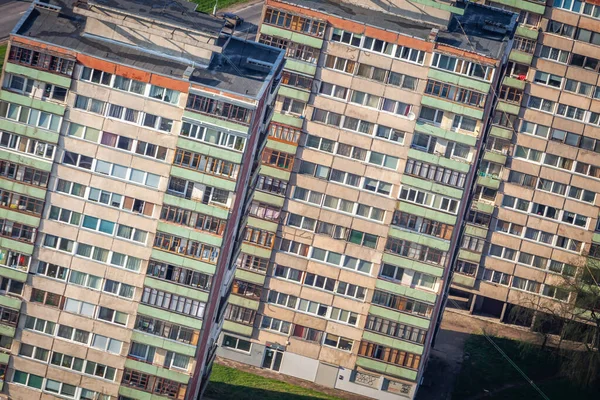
(411, 116)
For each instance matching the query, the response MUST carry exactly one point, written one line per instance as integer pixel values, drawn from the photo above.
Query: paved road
(10, 13)
(251, 14)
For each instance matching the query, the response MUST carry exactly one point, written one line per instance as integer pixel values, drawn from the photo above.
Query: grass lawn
(486, 369)
(2, 53)
(208, 5)
(231, 384)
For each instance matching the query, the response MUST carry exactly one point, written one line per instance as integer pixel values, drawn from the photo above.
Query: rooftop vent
(494, 26)
(188, 72)
(258, 65)
(433, 35)
(46, 6)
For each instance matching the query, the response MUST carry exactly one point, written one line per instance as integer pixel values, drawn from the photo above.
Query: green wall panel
(294, 93)
(169, 316)
(291, 35)
(405, 291)
(29, 131)
(274, 172)
(32, 191)
(488, 181)
(175, 259)
(6, 330)
(157, 371)
(243, 302)
(426, 212)
(492, 156)
(508, 107)
(513, 82)
(193, 205)
(250, 276)
(38, 75)
(446, 105)
(301, 66)
(262, 224)
(464, 254)
(459, 80)
(202, 178)
(435, 270)
(269, 198)
(415, 237)
(429, 129)
(463, 280)
(439, 160)
(286, 147)
(234, 327)
(386, 368)
(31, 102)
(21, 217)
(288, 119)
(13, 274)
(432, 186)
(256, 251)
(524, 5)
(190, 233)
(163, 343)
(527, 32)
(520, 57)
(217, 122)
(501, 132)
(26, 160)
(20, 247)
(213, 151)
(10, 302)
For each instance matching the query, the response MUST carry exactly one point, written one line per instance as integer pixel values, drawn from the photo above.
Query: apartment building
(362, 185)
(537, 213)
(128, 135)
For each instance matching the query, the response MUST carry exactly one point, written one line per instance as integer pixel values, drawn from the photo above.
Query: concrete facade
(129, 136)
(536, 194)
(372, 152)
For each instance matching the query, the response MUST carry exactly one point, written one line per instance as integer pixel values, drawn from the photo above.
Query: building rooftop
(481, 29)
(177, 12)
(478, 38)
(392, 22)
(229, 71)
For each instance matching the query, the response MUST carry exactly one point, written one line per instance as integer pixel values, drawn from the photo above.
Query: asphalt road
(251, 14)
(10, 13)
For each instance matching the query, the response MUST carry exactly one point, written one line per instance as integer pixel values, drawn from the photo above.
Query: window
(239, 314)
(431, 115)
(186, 247)
(555, 292)
(278, 159)
(338, 342)
(534, 129)
(389, 355)
(40, 60)
(422, 225)
(27, 379)
(503, 252)
(396, 107)
(525, 284)
(391, 134)
(293, 50)
(524, 45)
(463, 67)
(401, 80)
(284, 132)
(274, 324)
(58, 243)
(496, 277)
(583, 61)
(579, 87)
(571, 112)
(77, 160)
(173, 302)
(561, 29)
(522, 179)
(365, 99)
(294, 22)
(553, 54)
(569, 244)
(37, 353)
(371, 72)
(326, 117)
(465, 268)
(473, 243)
(220, 109)
(528, 154)
(455, 93)
(296, 80)
(320, 282)
(27, 145)
(36, 324)
(213, 137)
(287, 273)
(395, 329)
(404, 248)
(537, 103)
(308, 334)
(545, 78)
(340, 64)
(292, 106)
(463, 123)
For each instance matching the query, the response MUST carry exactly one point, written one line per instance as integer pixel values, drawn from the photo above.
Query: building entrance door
(272, 359)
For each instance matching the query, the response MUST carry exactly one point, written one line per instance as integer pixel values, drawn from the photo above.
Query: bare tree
(569, 324)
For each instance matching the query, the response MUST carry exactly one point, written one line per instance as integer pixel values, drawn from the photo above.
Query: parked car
(232, 20)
